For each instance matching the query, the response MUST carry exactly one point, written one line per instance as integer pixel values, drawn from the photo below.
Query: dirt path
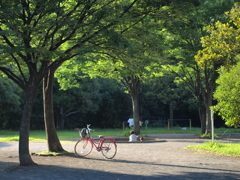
(159, 160)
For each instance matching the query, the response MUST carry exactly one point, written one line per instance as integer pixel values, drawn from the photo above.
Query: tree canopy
(38, 36)
(125, 40)
(221, 48)
(222, 44)
(227, 95)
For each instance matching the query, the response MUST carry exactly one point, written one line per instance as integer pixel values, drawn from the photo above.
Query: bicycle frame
(96, 144)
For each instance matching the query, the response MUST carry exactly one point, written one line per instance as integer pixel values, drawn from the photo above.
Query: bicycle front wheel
(108, 148)
(83, 147)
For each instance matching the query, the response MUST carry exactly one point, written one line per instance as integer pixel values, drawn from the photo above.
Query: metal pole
(212, 124)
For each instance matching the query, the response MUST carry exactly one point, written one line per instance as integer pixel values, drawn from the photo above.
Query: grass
(209, 136)
(65, 135)
(226, 149)
(48, 153)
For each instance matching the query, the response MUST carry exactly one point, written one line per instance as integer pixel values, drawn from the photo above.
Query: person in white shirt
(131, 122)
(132, 137)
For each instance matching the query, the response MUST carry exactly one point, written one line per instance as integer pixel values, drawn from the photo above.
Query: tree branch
(13, 77)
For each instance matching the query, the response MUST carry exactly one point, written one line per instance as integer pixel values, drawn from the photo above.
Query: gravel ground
(166, 159)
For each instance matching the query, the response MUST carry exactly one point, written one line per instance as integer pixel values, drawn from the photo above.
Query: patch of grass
(227, 130)
(49, 153)
(12, 138)
(68, 135)
(209, 136)
(6, 135)
(227, 149)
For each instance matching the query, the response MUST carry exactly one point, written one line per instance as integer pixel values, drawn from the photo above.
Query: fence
(179, 122)
(164, 123)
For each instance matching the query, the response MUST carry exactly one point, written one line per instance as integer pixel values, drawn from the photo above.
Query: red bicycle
(84, 146)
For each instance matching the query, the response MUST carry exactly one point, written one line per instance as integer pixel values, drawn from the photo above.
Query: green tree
(127, 65)
(81, 100)
(38, 36)
(184, 34)
(127, 59)
(169, 92)
(227, 95)
(100, 102)
(220, 48)
(10, 104)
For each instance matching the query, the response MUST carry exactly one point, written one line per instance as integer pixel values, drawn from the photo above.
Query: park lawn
(64, 135)
(39, 135)
(226, 149)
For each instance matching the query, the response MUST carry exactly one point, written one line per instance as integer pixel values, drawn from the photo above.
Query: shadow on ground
(46, 172)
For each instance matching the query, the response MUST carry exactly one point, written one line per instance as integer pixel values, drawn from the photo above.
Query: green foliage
(221, 48)
(100, 102)
(228, 94)
(97, 33)
(164, 91)
(10, 104)
(40, 35)
(227, 37)
(222, 44)
(218, 148)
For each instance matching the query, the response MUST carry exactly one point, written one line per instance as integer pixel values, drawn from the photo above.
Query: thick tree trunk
(54, 144)
(203, 121)
(31, 93)
(204, 94)
(202, 114)
(136, 111)
(132, 83)
(208, 99)
(135, 96)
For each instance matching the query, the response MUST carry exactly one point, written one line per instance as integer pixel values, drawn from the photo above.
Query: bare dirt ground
(165, 158)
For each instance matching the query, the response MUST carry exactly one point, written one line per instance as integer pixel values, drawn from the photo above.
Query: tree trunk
(136, 112)
(203, 121)
(132, 83)
(135, 92)
(54, 144)
(202, 114)
(208, 99)
(31, 93)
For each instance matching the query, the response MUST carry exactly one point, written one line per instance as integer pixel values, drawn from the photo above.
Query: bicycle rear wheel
(83, 147)
(108, 148)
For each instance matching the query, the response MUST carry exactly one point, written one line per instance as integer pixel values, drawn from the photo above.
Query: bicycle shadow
(115, 160)
(159, 164)
(49, 172)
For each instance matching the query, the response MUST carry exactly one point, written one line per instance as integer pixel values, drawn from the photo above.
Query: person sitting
(132, 137)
